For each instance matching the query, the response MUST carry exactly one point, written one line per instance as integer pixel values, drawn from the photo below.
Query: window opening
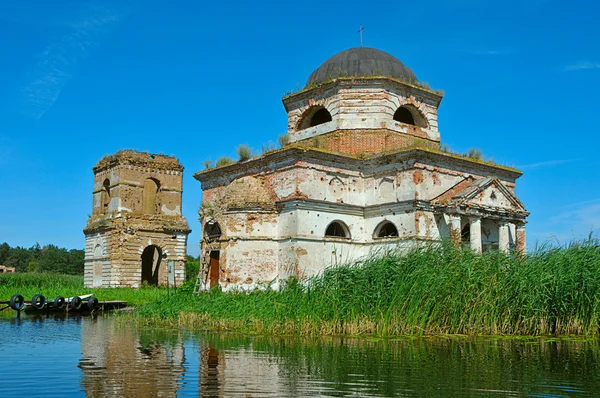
(337, 230)
(387, 230)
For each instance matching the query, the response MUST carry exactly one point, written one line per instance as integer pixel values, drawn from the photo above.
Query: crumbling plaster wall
(310, 193)
(96, 260)
(492, 197)
(248, 264)
(363, 105)
(122, 250)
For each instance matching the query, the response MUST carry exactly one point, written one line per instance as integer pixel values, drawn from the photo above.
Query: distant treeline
(49, 258)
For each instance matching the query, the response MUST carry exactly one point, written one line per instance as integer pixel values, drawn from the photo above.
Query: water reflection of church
(122, 361)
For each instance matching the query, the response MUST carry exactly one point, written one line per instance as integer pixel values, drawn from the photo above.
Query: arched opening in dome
(321, 116)
(313, 117)
(337, 229)
(386, 229)
(409, 114)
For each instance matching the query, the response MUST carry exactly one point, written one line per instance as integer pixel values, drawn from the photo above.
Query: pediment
(488, 193)
(495, 195)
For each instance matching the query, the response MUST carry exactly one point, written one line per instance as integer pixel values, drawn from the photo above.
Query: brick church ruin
(361, 171)
(136, 230)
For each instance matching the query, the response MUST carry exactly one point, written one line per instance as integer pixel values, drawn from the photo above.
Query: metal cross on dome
(360, 31)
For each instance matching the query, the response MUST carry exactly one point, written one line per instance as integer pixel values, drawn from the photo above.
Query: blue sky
(81, 79)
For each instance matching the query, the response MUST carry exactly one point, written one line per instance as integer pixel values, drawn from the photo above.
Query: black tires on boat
(59, 302)
(17, 302)
(76, 302)
(38, 301)
(92, 303)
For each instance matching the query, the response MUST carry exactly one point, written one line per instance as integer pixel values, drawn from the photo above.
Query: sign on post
(171, 275)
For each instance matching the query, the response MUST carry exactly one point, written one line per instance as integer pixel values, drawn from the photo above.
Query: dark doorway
(151, 264)
(214, 269)
(465, 235)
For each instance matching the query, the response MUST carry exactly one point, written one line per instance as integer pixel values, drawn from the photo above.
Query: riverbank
(433, 290)
(52, 285)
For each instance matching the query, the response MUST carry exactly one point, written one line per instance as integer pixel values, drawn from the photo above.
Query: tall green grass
(431, 290)
(52, 285)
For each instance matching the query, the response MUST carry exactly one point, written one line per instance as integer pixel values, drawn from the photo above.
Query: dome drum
(362, 88)
(362, 103)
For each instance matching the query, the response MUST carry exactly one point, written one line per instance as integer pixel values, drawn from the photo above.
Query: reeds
(431, 290)
(437, 289)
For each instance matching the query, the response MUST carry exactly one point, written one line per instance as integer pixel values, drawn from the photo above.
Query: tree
(4, 252)
(19, 258)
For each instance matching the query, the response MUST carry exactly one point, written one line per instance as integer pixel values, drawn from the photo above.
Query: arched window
(212, 230)
(313, 117)
(337, 229)
(409, 114)
(151, 188)
(105, 195)
(386, 229)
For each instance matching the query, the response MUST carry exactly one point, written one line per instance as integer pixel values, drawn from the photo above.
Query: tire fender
(17, 302)
(92, 303)
(38, 301)
(59, 302)
(76, 302)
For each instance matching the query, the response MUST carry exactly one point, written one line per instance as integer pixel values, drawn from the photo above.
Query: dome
(362, 61)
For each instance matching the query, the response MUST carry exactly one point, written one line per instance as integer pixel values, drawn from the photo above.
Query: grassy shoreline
(52, 285)
(430, 291)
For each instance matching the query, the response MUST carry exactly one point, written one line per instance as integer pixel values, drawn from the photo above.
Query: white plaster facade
(361, 166)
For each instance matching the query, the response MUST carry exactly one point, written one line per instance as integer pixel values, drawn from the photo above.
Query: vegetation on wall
(284, 140)
(472, 153)
(49, 258)
(244, 152)
(268, 147)
(224, 161)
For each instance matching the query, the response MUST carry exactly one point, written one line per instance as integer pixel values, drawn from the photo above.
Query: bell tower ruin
(136, 230)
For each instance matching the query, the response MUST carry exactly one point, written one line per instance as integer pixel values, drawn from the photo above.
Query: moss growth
(333, 79)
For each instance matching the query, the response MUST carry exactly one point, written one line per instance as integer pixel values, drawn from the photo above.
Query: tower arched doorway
(151, 258)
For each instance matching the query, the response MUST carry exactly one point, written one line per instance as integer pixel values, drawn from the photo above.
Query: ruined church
(136, 233)
(362, 171)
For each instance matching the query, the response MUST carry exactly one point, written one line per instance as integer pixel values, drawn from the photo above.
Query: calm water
(95, 357)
